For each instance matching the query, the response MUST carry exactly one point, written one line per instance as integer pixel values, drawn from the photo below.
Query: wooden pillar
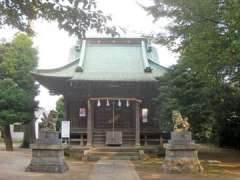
(137, 137)
(145, 140)
(161, 141)
(81, 140)
(65, 118)
(89, 124)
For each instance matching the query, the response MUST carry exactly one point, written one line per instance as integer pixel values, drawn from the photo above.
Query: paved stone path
(114, 170)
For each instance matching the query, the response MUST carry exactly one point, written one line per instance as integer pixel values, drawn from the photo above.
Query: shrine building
(108, 87)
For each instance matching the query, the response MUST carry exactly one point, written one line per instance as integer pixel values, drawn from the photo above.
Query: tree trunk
(29, 134)
(7, 137)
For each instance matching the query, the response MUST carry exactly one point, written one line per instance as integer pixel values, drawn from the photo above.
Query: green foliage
(13, 103)
(74, 16)
(60, 106)
(182, 89)
(17, 59)
(228, 116)
(60, 112)
(207, 37)
(206, 34)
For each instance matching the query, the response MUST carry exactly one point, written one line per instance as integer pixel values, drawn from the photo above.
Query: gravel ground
(13, 164)
(224, 165)
(218, 163)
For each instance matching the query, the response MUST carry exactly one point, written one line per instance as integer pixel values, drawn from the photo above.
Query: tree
(60, 112)
(18, 58)
(228, 117)
(182, 89)
(74, 16)
(206, 35)
(60, 106)
(13, 104)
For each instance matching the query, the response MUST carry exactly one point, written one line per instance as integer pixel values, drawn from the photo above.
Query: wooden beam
(116, 98)
(137, 137)
(82, 140)
(89, 125)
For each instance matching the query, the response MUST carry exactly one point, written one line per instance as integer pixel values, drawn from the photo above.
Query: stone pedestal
(48, 154)
(181, 154)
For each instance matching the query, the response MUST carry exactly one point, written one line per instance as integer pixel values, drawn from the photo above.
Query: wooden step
(116, 149)
(118, 153)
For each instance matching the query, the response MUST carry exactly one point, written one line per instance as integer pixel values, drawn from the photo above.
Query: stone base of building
(47, 156)
(181, 154)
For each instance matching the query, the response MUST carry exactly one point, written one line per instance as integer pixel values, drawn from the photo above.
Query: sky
(53, 44)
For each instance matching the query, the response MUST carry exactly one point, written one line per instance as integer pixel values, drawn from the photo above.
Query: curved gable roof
(110, 59)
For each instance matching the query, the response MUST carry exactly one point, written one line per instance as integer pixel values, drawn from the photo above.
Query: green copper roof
(107, 59)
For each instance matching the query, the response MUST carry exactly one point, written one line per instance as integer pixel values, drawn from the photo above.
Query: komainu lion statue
(180, 124)
(49, 122)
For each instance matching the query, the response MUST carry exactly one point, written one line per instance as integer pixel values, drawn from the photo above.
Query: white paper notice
(65, 129)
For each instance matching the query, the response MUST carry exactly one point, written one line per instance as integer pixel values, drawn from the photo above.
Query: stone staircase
(116, 153)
